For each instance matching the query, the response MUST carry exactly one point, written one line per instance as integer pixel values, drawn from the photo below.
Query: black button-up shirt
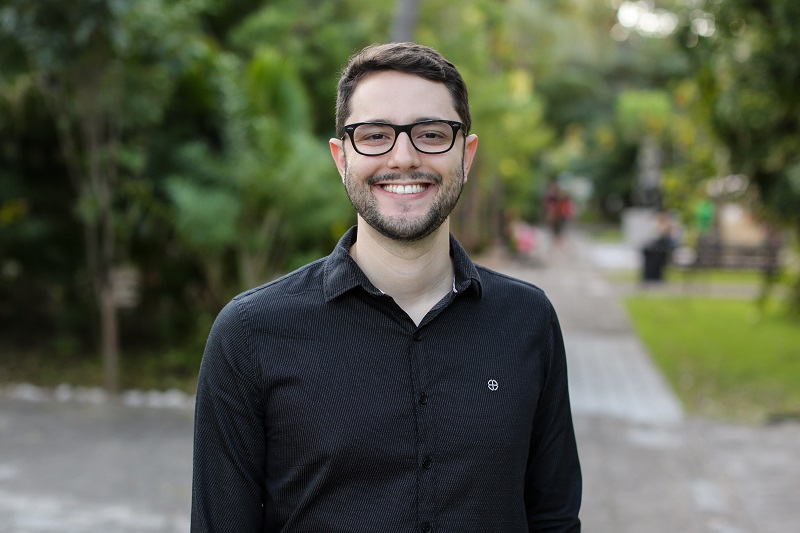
(321, 407)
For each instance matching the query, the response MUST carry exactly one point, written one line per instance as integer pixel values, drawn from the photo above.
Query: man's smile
(405, 189)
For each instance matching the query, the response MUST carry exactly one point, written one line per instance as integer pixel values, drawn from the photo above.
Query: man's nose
(404, 155)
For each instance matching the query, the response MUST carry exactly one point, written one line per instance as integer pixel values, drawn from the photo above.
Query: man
(393, 386)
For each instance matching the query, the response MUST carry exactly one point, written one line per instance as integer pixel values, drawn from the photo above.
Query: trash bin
(655, 258)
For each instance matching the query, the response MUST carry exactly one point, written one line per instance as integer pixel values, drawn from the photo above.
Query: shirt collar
(342, 273)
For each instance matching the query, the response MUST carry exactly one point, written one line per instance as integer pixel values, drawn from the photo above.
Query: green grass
(722, 357)
(718, 276)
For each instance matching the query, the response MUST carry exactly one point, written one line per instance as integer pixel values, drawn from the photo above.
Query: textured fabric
(322, 407)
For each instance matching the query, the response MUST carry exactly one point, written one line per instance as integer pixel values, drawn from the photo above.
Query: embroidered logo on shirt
(493, 385)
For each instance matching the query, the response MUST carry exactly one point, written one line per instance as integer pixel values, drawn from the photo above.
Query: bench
(715, 254)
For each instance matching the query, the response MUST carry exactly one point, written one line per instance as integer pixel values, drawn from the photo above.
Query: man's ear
(470, 147)
(337, 151)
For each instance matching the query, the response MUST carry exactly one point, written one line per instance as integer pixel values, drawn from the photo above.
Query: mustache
(412, 176)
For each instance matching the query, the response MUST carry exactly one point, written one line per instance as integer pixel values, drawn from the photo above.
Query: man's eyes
(375, 136)
(432, 135)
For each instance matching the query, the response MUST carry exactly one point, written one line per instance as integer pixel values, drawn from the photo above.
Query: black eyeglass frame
(401, 128)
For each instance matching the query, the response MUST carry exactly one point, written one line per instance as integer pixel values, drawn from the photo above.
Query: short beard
(398, 228)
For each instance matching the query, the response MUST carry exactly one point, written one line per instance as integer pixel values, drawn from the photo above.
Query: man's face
(404, 194)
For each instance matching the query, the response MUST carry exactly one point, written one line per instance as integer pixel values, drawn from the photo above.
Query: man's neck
(416, 275)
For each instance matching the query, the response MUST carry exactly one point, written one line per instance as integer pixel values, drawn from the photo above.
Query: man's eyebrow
(413, 121)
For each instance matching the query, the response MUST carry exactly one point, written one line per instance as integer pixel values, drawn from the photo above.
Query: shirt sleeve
(553, 482)
(229, 440)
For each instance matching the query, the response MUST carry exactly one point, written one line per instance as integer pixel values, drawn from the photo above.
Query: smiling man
(393, 386)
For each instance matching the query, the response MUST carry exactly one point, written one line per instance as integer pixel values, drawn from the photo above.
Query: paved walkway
(90, 467)
(648, 467)
(610, 373)
(82, 465)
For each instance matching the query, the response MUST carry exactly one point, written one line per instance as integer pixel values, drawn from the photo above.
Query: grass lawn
(711, 275)
(721, 357)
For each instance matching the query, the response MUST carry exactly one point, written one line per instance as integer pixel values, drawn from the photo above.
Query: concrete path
(72, 463)
(610, 373)
(88, 467)
(647, 466)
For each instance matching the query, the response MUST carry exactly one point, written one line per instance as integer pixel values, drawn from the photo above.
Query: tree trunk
(404, 26)
(89, 141)
(99, 138)
(496, 237)
(109, 342)
(469, 216)
(794, 285)
(256, 266)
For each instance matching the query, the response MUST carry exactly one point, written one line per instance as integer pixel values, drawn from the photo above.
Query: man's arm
(229, 441)
(553, 481)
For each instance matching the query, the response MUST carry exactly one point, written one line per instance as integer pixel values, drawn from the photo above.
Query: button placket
(425, 472)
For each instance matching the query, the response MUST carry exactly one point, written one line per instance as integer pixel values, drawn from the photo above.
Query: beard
(401, 227)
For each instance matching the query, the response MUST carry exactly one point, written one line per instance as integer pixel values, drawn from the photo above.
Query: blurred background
(157, 157)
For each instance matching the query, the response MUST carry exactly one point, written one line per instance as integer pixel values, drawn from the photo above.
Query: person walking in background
(393, 385)
(558, 210)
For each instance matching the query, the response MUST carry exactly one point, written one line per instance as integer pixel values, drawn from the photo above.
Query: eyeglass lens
(428, 137)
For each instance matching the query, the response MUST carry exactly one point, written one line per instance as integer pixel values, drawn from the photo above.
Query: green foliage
(206, 216)
(643, 113)
(721, 356)
(751, 90)
(507, 110)
(748, 80)
(211, 120)
(316, 38)
(268, 190)
(512, 133)
(104, 71)
(112, 56)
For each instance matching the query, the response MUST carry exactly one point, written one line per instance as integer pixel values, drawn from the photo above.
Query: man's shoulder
(501, 280)
(306, 280)
(283, 304)
(497, 285)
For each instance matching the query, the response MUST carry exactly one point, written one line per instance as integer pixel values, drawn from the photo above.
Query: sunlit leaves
(643, 112)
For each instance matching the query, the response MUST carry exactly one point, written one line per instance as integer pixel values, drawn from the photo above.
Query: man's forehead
(395, 96)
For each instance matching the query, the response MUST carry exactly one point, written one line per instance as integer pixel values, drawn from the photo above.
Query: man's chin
(404, 232)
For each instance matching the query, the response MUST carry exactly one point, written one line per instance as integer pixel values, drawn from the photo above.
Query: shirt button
(423, 398)
(417, 335)
(427, 462)
(426, 527)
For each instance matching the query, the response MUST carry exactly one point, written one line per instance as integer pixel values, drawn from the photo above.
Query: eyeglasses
(427, 136)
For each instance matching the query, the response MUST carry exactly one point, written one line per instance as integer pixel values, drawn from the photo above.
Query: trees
(404, 24)
(243, 207)
(495, 45)
(104, 77)
(194, 132)
(750, 76)
(746, 65)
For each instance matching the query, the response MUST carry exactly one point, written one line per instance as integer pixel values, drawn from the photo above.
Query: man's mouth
(405, 189)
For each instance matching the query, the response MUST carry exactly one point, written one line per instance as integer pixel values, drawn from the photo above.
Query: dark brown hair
(410, 58)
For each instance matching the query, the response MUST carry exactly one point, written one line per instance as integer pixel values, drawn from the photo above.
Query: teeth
(405, 189)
